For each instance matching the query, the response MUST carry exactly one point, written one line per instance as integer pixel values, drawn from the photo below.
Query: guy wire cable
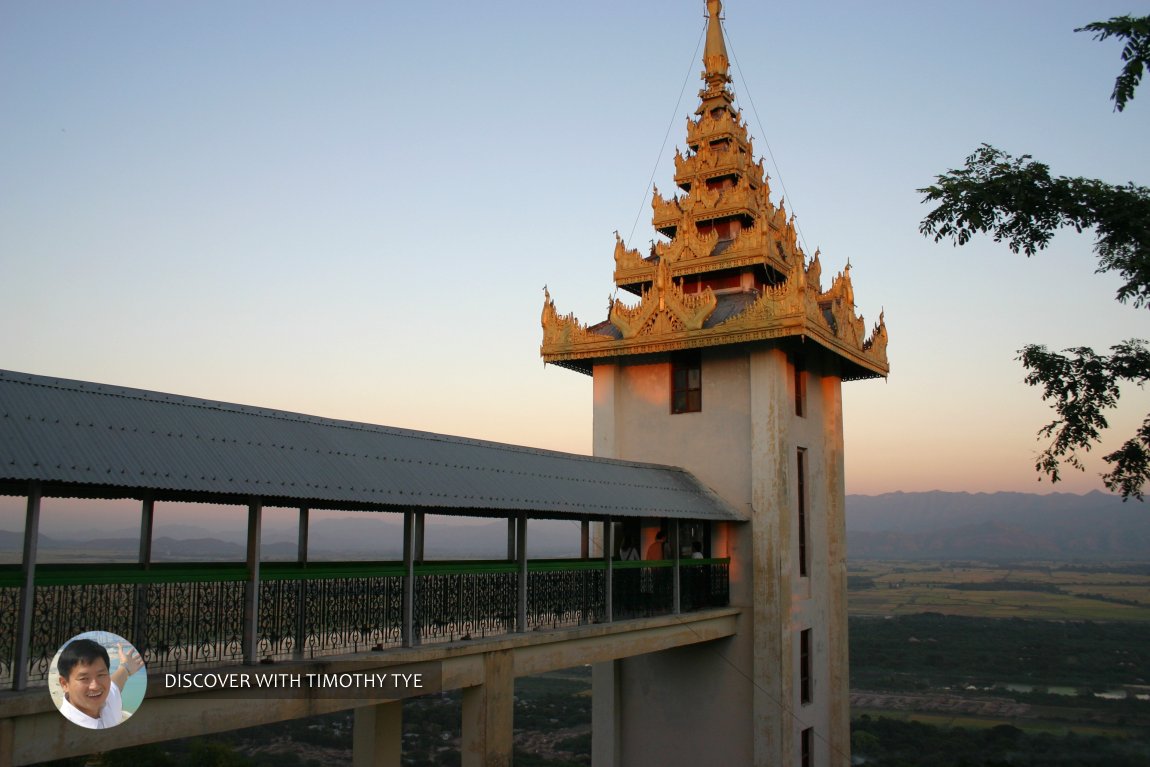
(674, 117)
(771, 154)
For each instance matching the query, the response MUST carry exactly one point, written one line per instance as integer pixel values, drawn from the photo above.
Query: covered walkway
(81, 440)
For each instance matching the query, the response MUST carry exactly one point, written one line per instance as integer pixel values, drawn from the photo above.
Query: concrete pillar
(772, 566)
(140, 624)
(27, 589)
(301, 587)
(302, 536)
(252, 598)
(7, 741)
(584, 539)
(609, 576)
(377, 735)
(489, 714)
(420, 528)
(838, 733)
(605, 714)
(408, 628)
(521, 559)
(147, 516)
(676, 576)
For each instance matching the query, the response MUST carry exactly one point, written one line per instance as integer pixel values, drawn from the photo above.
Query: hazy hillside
(997, 525)
(930, 525)
(366, 537)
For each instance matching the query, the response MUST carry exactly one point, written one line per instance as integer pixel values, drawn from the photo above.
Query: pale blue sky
(350, 208)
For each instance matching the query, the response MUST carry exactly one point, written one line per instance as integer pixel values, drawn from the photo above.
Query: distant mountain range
(939, 525)
(369, 537)
(932, 525)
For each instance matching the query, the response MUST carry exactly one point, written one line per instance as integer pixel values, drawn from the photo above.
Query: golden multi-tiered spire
(732, 270)
(716, 95)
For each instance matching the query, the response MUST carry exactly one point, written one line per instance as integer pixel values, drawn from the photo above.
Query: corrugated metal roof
(98, 436)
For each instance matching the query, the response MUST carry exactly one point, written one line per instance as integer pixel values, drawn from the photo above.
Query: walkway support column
(377, 735)
(521, 559)
(301, 587)
(609, 577)
(147, 520)
(606, 692)
(252, 597)
(140, 624)
(408, 627)
(676, 577)
(489, 714)
(23, 649)
(302, 535)
(420, 534)
(7, 741)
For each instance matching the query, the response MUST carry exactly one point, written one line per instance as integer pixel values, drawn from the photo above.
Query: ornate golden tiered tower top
(732, 271)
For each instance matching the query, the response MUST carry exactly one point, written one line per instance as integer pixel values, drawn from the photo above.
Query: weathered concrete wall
(633, 420)
(743, 445)
(32, 730)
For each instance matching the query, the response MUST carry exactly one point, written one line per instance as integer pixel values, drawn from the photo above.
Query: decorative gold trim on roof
(562, 330)
(707, 128)
(730, 226)
(666, 320)
(709, 162)
(705, 204)
(665, 308)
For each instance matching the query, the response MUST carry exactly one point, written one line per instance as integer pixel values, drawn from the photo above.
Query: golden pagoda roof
(722, 227)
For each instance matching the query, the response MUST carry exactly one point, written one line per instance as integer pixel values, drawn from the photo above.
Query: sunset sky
(350, 209)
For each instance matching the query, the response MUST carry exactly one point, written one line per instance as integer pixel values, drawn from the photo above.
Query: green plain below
(902, 588)
(906, 588)
(1032, 726)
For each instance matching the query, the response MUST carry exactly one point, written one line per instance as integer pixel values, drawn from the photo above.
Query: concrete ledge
(36, 732)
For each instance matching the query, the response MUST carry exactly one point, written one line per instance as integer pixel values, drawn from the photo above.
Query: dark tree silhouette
(1017, 201)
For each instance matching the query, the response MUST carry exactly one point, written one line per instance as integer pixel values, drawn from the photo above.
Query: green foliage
(1082, 386)
(1136, 53)
(1044, 588)
(213, 753)
(860, 583)
(1017, 201)
(893, 743)
(577, 744)
(931, 651)
(152, 755)
(527, 759)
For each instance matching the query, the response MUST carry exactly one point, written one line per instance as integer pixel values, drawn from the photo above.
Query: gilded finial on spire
(715, 54)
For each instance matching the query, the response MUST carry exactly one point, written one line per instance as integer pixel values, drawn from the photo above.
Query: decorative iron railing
(182, 615)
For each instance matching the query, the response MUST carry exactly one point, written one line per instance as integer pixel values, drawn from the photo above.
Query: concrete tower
(730, 365)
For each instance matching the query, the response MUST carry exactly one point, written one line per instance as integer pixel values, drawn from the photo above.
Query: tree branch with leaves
(1017, 201)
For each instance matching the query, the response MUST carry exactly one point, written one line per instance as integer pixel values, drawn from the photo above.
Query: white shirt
(111, 713)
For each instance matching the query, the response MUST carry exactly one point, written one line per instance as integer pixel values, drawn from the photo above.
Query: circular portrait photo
(97, 680)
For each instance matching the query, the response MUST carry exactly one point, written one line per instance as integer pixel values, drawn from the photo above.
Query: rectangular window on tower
(800, 386)
(805, 666)
(806, 758)
(801, 471)
(686, 382)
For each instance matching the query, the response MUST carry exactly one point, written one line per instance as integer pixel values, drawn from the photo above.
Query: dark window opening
(800, 387)
(802, 499)
(807, 759)
(686, 383)
(805, 666)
